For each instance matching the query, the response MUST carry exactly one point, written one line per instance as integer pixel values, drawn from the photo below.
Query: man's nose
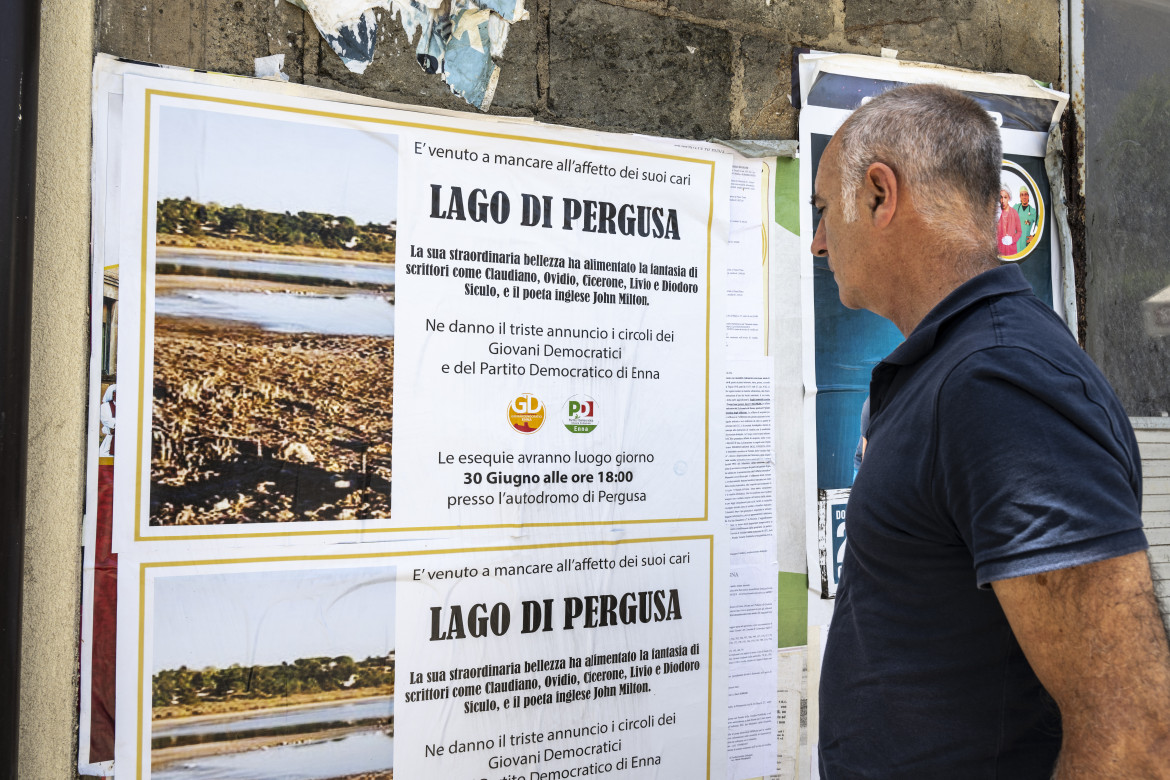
(819, 247)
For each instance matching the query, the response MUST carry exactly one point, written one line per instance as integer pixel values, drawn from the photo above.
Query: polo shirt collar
(1004, 280)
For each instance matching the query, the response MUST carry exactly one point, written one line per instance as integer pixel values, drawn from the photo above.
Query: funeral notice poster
(342, 319)
(545, 662)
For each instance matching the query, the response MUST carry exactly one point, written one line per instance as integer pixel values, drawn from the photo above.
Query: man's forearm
(1095, 638)
(1143, 754)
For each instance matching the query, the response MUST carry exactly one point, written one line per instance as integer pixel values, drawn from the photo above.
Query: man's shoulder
(1019, 321)
(1030, 368)
(1008, 321)
(1017, 341)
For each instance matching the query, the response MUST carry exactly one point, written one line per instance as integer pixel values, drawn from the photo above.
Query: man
(1027, 215)
(1009, 225)
(995, 616)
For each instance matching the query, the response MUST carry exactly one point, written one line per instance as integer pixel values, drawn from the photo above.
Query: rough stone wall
(686, 68)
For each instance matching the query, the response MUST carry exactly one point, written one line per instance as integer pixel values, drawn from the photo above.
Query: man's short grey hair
(941, 144)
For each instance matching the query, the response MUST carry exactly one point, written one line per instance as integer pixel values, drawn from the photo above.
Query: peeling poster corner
(456, 38)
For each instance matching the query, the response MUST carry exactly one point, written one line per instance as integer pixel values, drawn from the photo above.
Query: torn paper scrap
(271, 67)
(354, 42)
(413, 15)
(331, 15)
(348, 26)
(457, 38)
(432, 43)
(509, 10)
(469, 70)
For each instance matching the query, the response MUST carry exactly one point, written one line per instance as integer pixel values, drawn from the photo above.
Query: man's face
(837, 240)
(1004, 199)
(1023, 199)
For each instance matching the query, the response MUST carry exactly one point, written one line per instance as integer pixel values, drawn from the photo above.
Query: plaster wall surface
(686, 68)
(57, 390)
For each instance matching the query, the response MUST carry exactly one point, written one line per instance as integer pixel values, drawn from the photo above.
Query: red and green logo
(579, 414)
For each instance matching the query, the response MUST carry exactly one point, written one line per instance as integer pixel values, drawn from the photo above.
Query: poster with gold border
(342, 322)
(568, 659)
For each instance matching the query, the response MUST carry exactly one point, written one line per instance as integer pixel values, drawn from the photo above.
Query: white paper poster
(554, 327)
(409, 327)
(504, 662)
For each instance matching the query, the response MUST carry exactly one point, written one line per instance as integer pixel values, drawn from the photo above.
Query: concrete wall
(621, 65)
(56, 429)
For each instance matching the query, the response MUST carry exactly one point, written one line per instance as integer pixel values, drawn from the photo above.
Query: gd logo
(526, 413)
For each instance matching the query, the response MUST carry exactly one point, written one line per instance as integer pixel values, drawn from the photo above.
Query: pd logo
(526, 413)
(579, 414)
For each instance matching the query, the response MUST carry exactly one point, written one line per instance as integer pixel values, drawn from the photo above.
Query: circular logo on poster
(526, 413)
(579, 414)
(1020, 215)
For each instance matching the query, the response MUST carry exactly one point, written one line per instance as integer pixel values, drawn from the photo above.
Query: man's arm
(1094, 636)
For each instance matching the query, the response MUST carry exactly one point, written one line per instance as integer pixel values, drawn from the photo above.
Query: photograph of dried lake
(273, 320)
(273, 675)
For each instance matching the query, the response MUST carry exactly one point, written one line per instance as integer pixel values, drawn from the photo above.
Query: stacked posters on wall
(414, 414)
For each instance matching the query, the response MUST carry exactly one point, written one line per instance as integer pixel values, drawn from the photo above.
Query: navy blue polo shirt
(995, 449)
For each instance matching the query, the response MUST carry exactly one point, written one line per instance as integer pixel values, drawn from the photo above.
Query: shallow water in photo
(382, 273)
(382, 707)
(344, 315)
(362, 752)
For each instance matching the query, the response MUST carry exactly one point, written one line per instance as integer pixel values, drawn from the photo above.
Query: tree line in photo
(187, 217)
(185, 686)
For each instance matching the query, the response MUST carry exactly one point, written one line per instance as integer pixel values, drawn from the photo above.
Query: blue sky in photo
(267, 617)
(277, 164)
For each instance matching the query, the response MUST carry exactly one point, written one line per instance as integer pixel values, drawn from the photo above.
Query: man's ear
(881, 193)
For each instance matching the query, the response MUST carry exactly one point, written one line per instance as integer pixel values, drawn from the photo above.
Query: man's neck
(925, 288)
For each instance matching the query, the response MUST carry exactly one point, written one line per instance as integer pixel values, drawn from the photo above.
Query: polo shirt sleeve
(1036, 465)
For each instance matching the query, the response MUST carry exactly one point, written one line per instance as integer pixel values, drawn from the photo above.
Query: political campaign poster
(559, 660)
(847, 344)
(338, 320)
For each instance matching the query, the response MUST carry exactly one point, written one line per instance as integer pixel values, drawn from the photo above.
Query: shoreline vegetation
(242, 250)
(177, 244)
(303, 681)
(187, 223)
(200, 714)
